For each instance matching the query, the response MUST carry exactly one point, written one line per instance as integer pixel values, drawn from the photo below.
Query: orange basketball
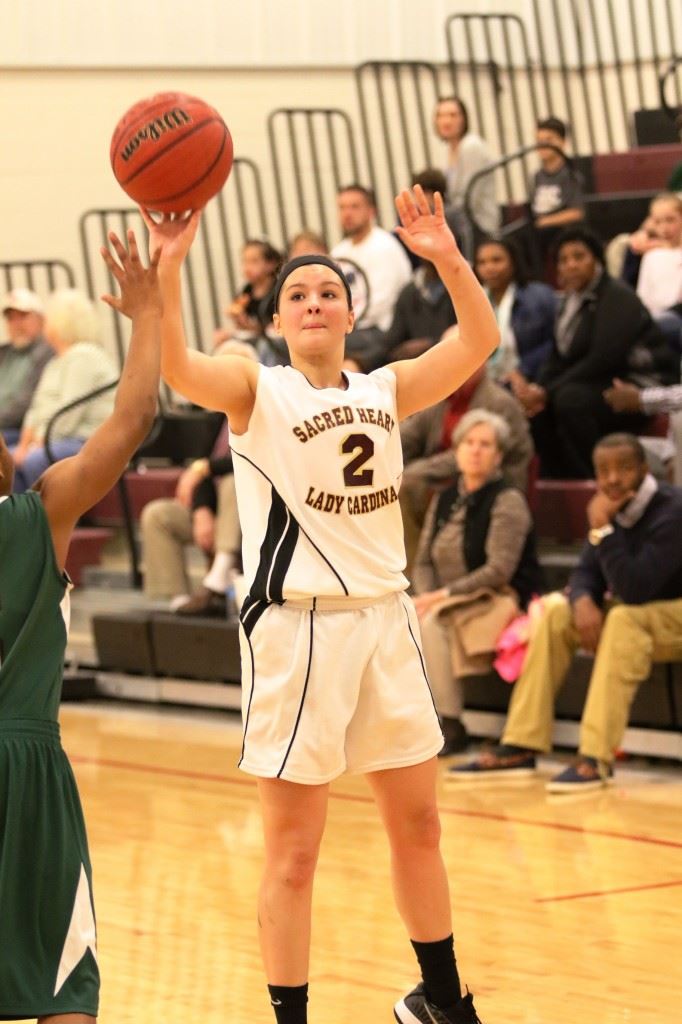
(171, 152)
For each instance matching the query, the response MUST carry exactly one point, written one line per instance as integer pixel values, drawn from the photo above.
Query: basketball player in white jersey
(333, 675)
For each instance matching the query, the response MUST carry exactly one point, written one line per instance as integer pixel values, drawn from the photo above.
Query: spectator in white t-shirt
(383, 264)
(659, 284)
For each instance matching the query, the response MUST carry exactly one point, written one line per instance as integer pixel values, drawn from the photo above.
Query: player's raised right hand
(172, 235)
(139, 285)
(424, 231)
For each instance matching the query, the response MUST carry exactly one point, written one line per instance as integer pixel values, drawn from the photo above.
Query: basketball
(171, 152)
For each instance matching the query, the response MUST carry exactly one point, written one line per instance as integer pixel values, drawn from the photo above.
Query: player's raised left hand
(423, 230)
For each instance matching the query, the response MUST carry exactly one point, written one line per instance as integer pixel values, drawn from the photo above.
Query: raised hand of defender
(424, 231)
(172, 235)
(139, 285)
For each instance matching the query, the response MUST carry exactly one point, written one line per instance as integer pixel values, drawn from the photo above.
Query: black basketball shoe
(415, 1008)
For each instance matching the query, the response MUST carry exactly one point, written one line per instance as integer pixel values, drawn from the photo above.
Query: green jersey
(48, 942)
(33, 612)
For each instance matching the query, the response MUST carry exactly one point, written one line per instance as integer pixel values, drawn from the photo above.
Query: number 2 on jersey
(353, 473)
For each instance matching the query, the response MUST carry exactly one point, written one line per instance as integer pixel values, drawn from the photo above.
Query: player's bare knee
(420, 829)
(296, 869)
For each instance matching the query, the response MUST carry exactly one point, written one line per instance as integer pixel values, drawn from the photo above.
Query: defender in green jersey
(48, 945)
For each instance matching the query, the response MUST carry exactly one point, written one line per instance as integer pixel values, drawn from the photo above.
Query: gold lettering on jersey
(324, 502)
(341, 416)
(356, 504)
(360, 504)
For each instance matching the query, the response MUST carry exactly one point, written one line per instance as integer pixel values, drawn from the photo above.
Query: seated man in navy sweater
(633, 554)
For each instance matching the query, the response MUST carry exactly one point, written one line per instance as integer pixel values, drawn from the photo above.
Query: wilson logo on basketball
(153, 131)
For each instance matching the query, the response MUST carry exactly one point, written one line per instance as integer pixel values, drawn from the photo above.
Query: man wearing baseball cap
(22, 358)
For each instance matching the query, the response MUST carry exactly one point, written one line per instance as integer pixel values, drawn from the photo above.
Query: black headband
(304, 261)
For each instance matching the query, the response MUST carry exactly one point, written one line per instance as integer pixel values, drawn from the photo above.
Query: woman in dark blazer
(602, 331)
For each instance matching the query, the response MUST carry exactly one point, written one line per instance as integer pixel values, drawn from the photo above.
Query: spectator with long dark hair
(250, 312)
(467, 153)
(524, 309)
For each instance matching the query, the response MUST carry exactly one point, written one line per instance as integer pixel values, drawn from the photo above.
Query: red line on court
(557, 826)
(606, 892)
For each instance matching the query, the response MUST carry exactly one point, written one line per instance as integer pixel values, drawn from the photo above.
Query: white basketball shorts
(328, 691)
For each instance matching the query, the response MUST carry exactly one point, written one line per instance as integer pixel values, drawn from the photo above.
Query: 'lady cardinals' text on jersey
(317, 476)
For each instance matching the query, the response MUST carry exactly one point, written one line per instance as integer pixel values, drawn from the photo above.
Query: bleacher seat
(657, 704)
(143, 485)
(618, 186)
(642, 169)
(160, 644)
(124, 643)
(85, 549)
(561, 509)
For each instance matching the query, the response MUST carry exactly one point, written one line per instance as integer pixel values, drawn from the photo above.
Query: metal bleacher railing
(211, 273)
(501, 89)
(622, 210)
(396, 100)
(592, 63)
(668, 79)
(505, 161)
(41, 276)
(313, 152)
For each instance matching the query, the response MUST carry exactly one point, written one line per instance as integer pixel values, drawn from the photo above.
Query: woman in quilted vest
(475, 567)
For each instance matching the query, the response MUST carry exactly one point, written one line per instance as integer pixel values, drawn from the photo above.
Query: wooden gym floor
(567, 909)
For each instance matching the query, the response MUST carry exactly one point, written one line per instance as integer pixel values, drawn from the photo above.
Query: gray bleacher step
(106, 578)
(557, 566)
(78, 685)
(87, 601)
(156, 643)
(122, 686)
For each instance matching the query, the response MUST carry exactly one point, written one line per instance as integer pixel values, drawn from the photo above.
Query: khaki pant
(445, 687)
(633, 637)
(167, 531)
(420, 478)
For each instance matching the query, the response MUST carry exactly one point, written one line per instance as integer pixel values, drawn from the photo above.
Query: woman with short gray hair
(477, 545)
(473, 418)
(80, 365)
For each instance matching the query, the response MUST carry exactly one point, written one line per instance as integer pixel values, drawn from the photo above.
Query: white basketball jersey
(317, 476)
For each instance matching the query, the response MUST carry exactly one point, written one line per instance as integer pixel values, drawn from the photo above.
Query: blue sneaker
(587, 773)
(416, 1009)
(505, 761)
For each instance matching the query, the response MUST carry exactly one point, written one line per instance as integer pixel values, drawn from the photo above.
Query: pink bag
(512, 643)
